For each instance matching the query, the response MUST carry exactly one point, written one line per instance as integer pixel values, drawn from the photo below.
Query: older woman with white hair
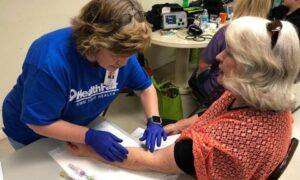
(246, 133)
(204, 80)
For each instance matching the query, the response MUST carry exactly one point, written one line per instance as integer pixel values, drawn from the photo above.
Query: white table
(33, 161)
(183, 47)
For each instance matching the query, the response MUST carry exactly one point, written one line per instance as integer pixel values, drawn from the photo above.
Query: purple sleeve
(216, 45)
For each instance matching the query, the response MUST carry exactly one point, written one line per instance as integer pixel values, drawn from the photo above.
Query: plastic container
(204, 16)
(185, 3)
(204, 19)
(223, 17)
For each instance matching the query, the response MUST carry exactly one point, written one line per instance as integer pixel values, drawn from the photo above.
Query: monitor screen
(171, 19)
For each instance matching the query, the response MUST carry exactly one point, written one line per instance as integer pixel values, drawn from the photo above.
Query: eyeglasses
(274, 28)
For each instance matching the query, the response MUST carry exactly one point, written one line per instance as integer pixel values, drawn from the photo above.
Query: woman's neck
(294, 8)
(238, 102)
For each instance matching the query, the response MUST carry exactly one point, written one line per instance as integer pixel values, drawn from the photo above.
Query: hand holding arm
(154, 132)
(106, 144)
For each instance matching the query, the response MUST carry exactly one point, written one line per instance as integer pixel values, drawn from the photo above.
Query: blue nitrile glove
(106, 145)
(154, 132)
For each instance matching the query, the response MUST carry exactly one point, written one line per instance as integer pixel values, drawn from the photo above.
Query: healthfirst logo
(97, 91)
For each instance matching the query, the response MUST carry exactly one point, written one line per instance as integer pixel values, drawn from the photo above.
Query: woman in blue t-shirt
(71, 75)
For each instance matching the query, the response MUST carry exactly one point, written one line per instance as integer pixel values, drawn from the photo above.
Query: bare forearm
(62, 130)
(183, 124)
(149, 101)
(159, 161)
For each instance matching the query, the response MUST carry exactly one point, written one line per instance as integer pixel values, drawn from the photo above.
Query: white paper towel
(99, 170)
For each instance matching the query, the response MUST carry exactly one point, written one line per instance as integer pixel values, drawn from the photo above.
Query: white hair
(264, 75)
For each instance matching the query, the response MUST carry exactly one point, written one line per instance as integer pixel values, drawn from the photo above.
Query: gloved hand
(106, 145)
(154, 132)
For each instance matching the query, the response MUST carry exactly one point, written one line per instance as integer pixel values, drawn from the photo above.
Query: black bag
(154, 16)
(213, 6)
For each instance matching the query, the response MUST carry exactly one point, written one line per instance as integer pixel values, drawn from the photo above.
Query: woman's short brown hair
(115, 25)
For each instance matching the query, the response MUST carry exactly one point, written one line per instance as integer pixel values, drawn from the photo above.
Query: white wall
(148, 4)
(22, 21)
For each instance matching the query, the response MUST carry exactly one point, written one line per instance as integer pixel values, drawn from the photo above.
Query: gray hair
(265, 74)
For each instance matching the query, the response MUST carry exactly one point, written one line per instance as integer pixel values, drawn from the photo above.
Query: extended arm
(62, 130)
(180, 125)
(161, 160)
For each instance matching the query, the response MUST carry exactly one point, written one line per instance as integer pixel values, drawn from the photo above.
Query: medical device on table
(173, 20)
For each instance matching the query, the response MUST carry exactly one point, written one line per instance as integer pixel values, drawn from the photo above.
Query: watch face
(156, 119)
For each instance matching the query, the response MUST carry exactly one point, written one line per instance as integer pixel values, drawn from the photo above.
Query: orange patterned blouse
(238, 144)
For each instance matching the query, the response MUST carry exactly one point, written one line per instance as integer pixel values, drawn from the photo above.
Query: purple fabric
(216, 45)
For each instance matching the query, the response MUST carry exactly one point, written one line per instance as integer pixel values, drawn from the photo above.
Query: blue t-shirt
(58, 83)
